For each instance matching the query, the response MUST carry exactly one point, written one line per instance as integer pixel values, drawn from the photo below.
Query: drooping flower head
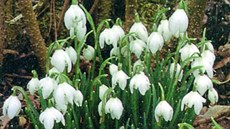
(193, 99)
(47, 85)
(178, 22)
(165, 110)
(202, 83)
(60, 60)
(163, 29)
(49, 116)
(137, 46)
(88, 52)
(155, 42)
(114, 107)
(141, 82)
(119, 77)
(75, 21)
(11, 107)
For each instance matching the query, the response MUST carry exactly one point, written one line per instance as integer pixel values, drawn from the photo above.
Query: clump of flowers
(130, 88)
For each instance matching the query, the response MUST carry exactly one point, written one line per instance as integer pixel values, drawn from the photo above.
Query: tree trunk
(130, 8)
(104, 10)
(2, 35)
(37, 43)
(196, 10)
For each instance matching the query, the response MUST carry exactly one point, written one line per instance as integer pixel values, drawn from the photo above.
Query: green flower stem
(175, 115)
(162, 92)
(31, 108)
(134, 107)
(75, 117)
(104, 99)
(34, 72)
(174, 84)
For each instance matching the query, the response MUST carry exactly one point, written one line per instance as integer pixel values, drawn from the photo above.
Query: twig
(94, 6)
(64, 8)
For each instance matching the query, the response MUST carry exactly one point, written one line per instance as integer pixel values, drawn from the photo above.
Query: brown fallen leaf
(222, 63)
(4, 121)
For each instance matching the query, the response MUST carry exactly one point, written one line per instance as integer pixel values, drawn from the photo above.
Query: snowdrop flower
(202, 83)
(178, 22)
(213, 96)
(78, 98)
(140, 30)
(155, 42)
(119, 32)
(208, 56)
(88, 52)
(163, 29)
(114, 107)
(188, 51)
(209, 46)
(141, 82)
(11, 107)
(206, 67)
(138, 66)
(75, 20)
(125, 51)
(102, 89)
(119, 77)
(178, 73)
(60, 60)
(108, 36)
(50, 115)
(114, 51)
(71, 53)
(165, 110)
(113, 68)
(47, 85)
(33, 85)
(137, 46)
(100, 108)
(64, 94)
(193, 98)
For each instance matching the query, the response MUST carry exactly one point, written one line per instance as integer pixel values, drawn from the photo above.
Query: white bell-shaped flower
(137, 46)
(60, 60)
(206, 67)
(213, 96)
(155, 42)
(114, 51)
(209, 46)
(71, 53)
(178, 71)
(102, 89)
(80, 30)
(119, 77)
(178, 22)
(114, 107)
(33, 85)
(49, 116)
(113, 68)
(11, 107)
(75, 20)
(193, 99)
(202, 83)
(118, 31)
(165, 110)
(140, 30)
(100, 108)
(141, 82)
(63, 94)
(188, 51)
(109, 37)
(88, 52)
(78, 98)
(163, 29)
(47, 85)
(208, 56)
